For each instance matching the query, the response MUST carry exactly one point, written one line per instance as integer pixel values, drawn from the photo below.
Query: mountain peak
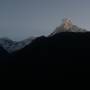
(67, 26)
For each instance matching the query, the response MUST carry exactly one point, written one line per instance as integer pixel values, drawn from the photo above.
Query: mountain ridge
(11, 46)
(46, 50)
(63, 39)
(66, 26)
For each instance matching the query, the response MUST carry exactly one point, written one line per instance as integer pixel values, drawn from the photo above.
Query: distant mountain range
(11, 46)
(67, 45)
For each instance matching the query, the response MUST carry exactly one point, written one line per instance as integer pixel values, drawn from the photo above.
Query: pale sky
(20, 19)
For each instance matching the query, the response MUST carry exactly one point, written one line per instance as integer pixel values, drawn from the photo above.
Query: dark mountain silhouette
(4, 55)
(62, 48)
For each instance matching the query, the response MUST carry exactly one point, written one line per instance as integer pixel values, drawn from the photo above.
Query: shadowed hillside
(62, 48)
(3, 55)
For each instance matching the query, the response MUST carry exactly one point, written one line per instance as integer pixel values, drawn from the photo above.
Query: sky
(20, 19)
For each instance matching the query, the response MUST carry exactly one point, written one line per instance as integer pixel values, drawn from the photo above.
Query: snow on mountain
(11, 46)
(67, 26)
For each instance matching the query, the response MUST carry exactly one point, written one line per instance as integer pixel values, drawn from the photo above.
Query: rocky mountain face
(12, 46)
(6, 43)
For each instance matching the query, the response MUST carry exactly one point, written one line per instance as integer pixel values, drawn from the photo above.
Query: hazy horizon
(20, 19)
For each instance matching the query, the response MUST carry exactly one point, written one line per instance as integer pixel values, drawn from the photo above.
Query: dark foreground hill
(4, 55)
(62, 48)
(58, 54)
